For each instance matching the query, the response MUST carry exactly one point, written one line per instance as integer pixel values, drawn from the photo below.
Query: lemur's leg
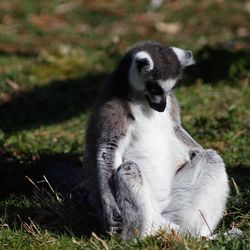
(199, 194)
(139, 215)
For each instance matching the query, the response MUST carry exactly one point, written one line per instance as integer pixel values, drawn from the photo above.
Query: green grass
(54, 56)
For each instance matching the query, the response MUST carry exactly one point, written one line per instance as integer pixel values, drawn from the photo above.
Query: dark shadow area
(62, 211)
(72, 215)
(216, 64)
(51, 103)
(62, 171)
(241, 175)
(66, 218)
(60, 100)
(8, 50)
(238, 205)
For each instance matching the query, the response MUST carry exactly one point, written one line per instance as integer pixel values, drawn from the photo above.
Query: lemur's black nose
(154, 88)
(188, 54)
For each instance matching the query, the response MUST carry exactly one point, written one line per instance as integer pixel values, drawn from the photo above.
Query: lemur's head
(154, 70)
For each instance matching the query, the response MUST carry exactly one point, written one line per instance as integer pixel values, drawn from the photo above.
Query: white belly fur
(152, 144)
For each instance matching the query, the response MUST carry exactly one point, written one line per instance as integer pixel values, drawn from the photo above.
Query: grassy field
(53, 57)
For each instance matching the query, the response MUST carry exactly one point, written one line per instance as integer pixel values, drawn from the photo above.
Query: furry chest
(150, 146)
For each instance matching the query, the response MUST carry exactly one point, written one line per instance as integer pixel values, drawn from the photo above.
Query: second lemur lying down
(142, 170)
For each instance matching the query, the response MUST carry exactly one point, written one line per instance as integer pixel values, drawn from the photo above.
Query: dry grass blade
(236, 187)
(32, 182)
(206, 222)
(59, 199)
(30, 229)
(103, 243)
(12, 84)
(51, 203)
(168, 240)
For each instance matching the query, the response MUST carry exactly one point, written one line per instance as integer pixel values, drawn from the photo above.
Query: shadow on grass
(72, 215)
(62, 171)
(49, 104)
(60, 100)
(61, 210)
(216, 64)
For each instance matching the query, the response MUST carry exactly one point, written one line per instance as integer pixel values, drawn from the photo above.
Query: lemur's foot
(114, 221)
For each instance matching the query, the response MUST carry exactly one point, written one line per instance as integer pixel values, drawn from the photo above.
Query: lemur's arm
(111, 128)
(105, 170)
(185, 138)
(180, 132)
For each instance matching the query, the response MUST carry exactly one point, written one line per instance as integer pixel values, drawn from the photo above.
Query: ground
(54, 56)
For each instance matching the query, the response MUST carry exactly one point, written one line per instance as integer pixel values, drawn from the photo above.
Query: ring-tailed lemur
(143, 171)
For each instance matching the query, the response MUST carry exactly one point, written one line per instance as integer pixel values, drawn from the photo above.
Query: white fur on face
(180, 53)
(145, 55)
(136, 78)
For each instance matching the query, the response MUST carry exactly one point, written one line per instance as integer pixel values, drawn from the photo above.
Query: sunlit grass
(54, 56)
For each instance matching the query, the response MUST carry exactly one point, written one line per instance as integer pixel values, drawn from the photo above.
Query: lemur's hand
(194, 152)
(112, 217)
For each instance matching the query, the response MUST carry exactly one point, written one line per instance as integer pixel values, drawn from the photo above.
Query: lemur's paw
(194, 153)
(208, 156)
(114, 221)
(115, 229)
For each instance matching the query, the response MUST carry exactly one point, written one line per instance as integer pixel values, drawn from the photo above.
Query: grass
(54, 56)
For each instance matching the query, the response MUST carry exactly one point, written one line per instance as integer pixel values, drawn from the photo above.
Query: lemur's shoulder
(111, 118)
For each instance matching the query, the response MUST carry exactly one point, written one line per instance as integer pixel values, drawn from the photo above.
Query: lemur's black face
(155, 69)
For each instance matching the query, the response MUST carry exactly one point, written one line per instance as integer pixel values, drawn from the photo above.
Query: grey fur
(128, 181)
(116, 194)
(107, 126)
(181, 134)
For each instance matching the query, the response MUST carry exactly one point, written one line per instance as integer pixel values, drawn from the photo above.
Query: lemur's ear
(144, 62)
(185, 57)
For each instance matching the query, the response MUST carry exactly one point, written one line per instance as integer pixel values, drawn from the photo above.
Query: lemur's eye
(143, 63)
